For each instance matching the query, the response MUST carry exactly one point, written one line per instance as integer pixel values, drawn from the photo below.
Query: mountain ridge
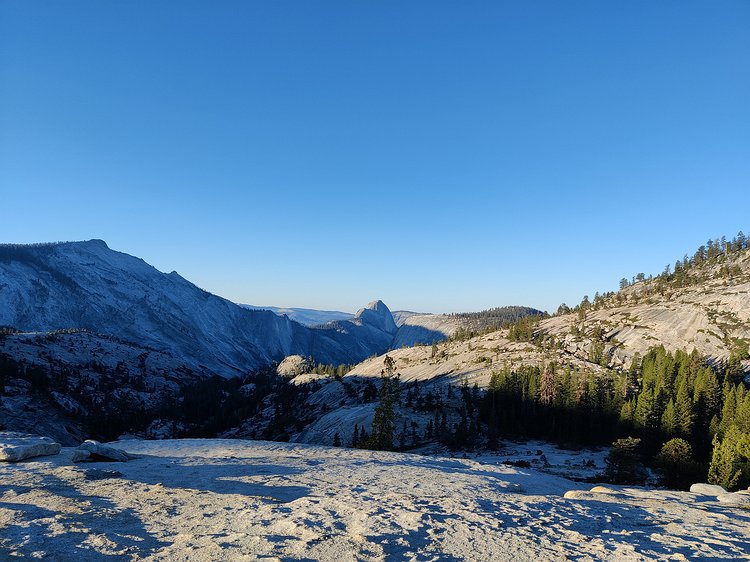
(87, 285)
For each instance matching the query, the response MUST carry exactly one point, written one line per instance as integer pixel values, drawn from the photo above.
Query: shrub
(676, 466)
(624, 463)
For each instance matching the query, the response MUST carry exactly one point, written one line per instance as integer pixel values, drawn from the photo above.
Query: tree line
(669, 400)
(688, 271)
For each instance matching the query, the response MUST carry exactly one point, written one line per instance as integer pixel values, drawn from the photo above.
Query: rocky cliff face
(710, 314)
(86, 285)
(57, 383)
(425, 328)
(377, 315)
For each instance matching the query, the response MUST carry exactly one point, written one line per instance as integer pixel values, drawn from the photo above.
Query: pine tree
(706, 396)
(356, 438)
(383, 423)
(675, 464)
(532, 391)
(743, 410)
(646, 413)
(729, 408)
(547, 388)
(627, 413)
(684, 411)
(730, 461)
(623, 462)
(669, 419)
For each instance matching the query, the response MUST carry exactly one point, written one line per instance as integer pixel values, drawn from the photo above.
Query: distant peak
(94, 242)
(377, 305)
(377, 314)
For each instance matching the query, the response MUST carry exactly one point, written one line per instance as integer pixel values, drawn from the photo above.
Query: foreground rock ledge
(239, 500)
(15, 447)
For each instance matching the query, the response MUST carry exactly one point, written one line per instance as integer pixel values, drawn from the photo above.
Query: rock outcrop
(710, 316)
(294, 365)
(735, 499)
(416, 329)
(707, 489)
(93, 451)
(16, 447)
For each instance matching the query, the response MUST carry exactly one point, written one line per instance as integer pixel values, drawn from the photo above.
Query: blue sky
(441, 156)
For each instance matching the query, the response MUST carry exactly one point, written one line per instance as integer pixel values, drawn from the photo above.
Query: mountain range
(94, 334)
(116, 338)
(305, 316)
(86, 285)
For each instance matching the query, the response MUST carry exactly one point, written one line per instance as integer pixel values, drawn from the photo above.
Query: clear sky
(441, 156)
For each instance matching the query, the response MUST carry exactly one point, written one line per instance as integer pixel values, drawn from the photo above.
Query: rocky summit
(87, 286)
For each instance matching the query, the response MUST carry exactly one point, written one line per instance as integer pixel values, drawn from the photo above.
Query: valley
(645, 387)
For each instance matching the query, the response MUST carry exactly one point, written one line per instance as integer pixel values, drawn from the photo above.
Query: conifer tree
(669, 420)
(623, 462)
(383, 423)
(355, 437)
(645, 410)
(675, 464)
(684, 411)
(547, 388)
(627, 413)
(730, 461)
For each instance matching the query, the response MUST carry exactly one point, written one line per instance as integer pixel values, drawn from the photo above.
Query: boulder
(707, 489)
(79, 455)
(294, 365)
(736, 499)
(16, 447)
(602, 490)
(93, 451)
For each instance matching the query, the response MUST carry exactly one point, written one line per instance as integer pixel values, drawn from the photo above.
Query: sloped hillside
(415, 329)
(704, 306)
(85, 285)
(72, 385)
(570, 377)
(429, 375)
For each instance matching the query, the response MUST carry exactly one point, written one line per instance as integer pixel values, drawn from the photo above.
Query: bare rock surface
(92, 451)
(207, 500)
(709, 316)
(472, 361)
(739, 499)
(294, 365)
(416, 329)
(707, 489)
(16, 447)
